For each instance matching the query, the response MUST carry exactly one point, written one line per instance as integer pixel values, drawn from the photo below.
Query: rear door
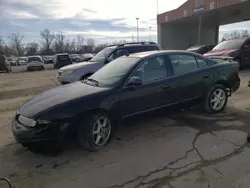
(156, 91)
(193, 75)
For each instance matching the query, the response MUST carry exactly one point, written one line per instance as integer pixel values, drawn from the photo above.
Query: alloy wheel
(218, 99)
(101, 131)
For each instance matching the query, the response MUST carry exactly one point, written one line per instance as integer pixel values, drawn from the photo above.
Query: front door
(192, 73)
(156, 89)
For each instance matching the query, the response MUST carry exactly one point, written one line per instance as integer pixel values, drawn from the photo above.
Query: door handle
(205, 76)
(166, 87)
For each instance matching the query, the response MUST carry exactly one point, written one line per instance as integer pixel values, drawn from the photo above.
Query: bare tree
(59, 44)
(16, 42)
(1, 45)
(235, 35)
(48, 38)
(32, 48)
(89, 46)
(100, 47)
(79, 42)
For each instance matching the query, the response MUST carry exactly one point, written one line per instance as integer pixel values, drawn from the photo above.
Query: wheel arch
(87, 112)
(224, 83)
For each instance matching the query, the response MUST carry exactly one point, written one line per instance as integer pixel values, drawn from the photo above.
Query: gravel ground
(180, 149)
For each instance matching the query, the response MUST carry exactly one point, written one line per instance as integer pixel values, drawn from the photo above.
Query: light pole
(137, 19)
(150, 34)
(199, 30)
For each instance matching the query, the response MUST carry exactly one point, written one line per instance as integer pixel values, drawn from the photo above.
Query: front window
(102, 55)
(230, 44)
(151, 70)
(112, 73)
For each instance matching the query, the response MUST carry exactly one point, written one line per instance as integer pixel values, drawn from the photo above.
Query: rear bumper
(235, 87)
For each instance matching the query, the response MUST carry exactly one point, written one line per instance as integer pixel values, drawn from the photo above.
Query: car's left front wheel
(94, 131)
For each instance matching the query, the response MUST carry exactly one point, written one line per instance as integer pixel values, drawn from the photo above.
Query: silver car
(35, 62)
(81, 71)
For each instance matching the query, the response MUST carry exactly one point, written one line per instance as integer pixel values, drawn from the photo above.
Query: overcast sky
(104, 20)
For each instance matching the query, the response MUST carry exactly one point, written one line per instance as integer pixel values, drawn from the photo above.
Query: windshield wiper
(92, 80)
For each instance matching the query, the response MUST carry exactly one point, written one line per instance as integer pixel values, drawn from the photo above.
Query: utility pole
(133, 37)
(150, 34)
(137, 19)
(199, 31)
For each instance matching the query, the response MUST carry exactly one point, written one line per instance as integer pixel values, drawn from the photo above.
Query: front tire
(94, 131)
(215, 100)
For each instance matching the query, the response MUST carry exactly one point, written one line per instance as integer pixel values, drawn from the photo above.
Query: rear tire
(215, 100)
(94, 131)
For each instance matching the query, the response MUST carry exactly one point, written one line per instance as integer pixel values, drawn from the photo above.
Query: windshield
(229, 45)
(102, 54)
(113, 72)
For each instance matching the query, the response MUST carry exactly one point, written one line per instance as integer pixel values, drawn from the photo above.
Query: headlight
(26, 121)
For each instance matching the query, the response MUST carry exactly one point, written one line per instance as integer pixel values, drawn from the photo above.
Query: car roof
(160, 52)
(34, 56)
(134, 44)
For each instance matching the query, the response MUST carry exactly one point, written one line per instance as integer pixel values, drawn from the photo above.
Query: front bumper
(40, 134)
(66, 78)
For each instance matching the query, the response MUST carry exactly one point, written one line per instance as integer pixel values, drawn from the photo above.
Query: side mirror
(134, 81)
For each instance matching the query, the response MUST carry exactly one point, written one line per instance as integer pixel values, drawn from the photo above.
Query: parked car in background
(83, 70)
(4, 65)
(22, 61)
(239, 49)
(34, 63)
(61, 60)
(130, 85)
(87, 57)
(48, 59)
(12, 61)
(75, 58)
(201, 49)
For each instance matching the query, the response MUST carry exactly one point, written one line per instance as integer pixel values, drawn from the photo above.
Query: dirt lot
(180, 149)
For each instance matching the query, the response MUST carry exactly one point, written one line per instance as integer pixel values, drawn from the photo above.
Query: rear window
(34, 59)
(63, 57)
(2, 58)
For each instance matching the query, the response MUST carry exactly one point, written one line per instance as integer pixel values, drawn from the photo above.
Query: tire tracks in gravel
(24, 92)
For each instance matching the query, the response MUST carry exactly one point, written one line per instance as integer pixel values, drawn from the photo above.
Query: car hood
(81, 64)
(57, 96)
(220, 52)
